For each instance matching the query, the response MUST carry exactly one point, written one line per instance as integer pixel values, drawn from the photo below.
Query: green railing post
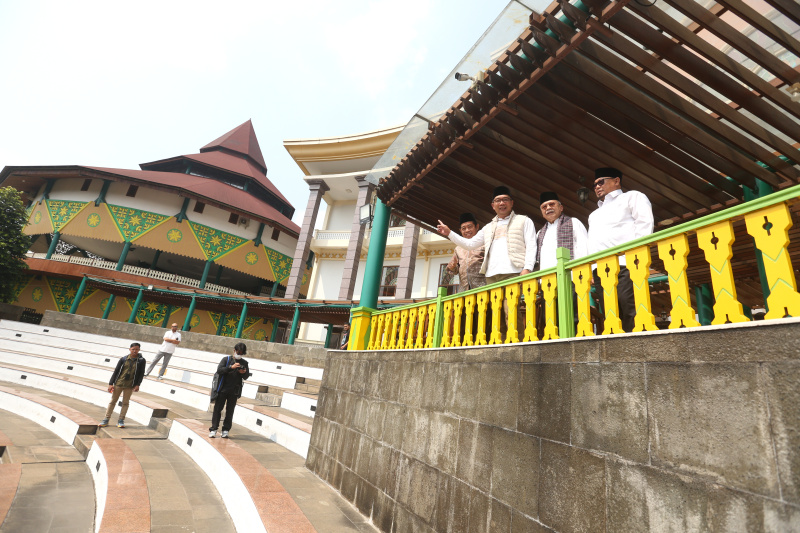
(53, 243)
(124, 255)
(165, 323)
(438, 321)
(377, 250)
(274, 332)
(295, 325)
(222, 318)
(206, 270)
(136, 305)
(77, 301)
(566, 313)
(188, 322)
(242, 320)
(705, 305)
(109, 305)
(329, 327)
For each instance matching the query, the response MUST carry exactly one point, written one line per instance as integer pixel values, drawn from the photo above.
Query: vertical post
(257, 240)
(136, 305)
(377, 249)
(274, 291)
(295, 325)
(53, 244)
(242, 320)
(220, 268)
(316, 189)
(438, 321)
(48, 189)
(566, 313)
(78, 296)
(329, 327)
(761, 189)
(206, 270)
(222, 318)
(123, 255)
(166, 316)
(109, 305)
(188, 322)
(101, 198)
(180, 216)
(274, 332)
(155, 260)
(705, 306)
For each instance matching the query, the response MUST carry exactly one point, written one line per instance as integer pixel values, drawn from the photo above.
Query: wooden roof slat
(737, 40)
(670, 114)
(762, 24)
(705, 49)
(705, 73)
(789, 8)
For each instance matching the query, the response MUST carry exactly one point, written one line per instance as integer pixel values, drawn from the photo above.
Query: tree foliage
(13, 243)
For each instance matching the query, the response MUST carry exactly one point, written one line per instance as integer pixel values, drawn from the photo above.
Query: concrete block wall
(685, 430)
(296, 355)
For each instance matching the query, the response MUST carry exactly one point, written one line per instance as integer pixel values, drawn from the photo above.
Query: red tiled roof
(238, 165)
(211, 190)
(241, 139)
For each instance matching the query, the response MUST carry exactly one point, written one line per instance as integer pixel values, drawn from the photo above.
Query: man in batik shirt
(467, 263)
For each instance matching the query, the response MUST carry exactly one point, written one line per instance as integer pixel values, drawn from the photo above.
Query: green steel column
(109, 305)
(377, 249)
(53, 244)
(566, 313)
(188, 322)
(274, 332)
(180, 216)
(257, 240)
(220, 268)
(124, 255)
(438, 319)
(274, 290)
(101, 198)
(761, 189)
(166, 316)
(222, 318)
(242, 319)
(206, 270)
(705, 304)
(295, 325)
(76, 302)
(47, 189)
(155, 260)
(136, 305)
(329, 327)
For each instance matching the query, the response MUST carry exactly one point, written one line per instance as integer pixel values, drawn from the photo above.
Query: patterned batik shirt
(468, 265)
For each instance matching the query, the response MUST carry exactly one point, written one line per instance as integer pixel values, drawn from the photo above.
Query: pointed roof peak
(241, 139)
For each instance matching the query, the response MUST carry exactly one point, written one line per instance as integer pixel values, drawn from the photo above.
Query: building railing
(332, 235)
(438, 322)
(138, 271)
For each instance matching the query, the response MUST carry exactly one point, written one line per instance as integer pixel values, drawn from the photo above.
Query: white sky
(115, 84)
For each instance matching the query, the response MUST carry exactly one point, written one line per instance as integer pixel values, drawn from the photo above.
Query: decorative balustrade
(474, 318)
(332, 235)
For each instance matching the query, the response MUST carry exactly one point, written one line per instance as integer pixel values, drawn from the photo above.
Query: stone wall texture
(296, 355)
(686, 430)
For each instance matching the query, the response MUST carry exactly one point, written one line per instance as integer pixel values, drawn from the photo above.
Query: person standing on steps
(233, 370)
(125, 380)
(172, 338)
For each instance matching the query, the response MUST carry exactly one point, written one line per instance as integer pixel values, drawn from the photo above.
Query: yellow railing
(474, 318)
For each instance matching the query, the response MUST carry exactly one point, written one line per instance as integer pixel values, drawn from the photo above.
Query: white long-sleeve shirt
(580, 238)
(621, 217)
(497, 258)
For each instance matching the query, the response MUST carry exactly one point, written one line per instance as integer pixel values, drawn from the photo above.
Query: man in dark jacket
(233, 370)
(125, 380)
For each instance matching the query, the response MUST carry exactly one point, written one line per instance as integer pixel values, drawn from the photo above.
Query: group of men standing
(510, 246)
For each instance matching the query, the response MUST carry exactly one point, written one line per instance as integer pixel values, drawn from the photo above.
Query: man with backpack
(232, 371)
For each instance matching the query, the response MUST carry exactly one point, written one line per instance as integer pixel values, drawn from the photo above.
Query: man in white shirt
(172, 338)
(620, 217)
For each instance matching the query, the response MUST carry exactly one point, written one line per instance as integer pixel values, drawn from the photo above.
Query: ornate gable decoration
(281, 264)
(133, 223)
(215, 243)
(62, 211)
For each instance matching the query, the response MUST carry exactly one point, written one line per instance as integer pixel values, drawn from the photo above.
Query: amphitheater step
(269, 398)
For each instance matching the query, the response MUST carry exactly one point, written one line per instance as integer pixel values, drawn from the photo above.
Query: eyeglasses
(502, 200)
(601, 181)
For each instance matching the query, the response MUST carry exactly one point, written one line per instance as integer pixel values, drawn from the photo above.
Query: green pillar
(222, 318)
(155, 260)
(328, 335)
(274, 332)
(295, 325)
(274, 290)
(219, 274)
(78, 296)
(188, 322)
(124, 255)
(761, 189)
(377, 249)
(180, 216)
(566, 312)
(206, 270)
(53, 244)
(109, 305)
(257, 240)
(166, 316)
(136, 305)
(705, 304)
(101, 198)
(242, 320)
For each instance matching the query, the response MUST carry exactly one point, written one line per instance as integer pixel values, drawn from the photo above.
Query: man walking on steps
(172, 338)
(125, 380)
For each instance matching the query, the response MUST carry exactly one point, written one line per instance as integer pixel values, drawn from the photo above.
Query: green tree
(13, 243)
